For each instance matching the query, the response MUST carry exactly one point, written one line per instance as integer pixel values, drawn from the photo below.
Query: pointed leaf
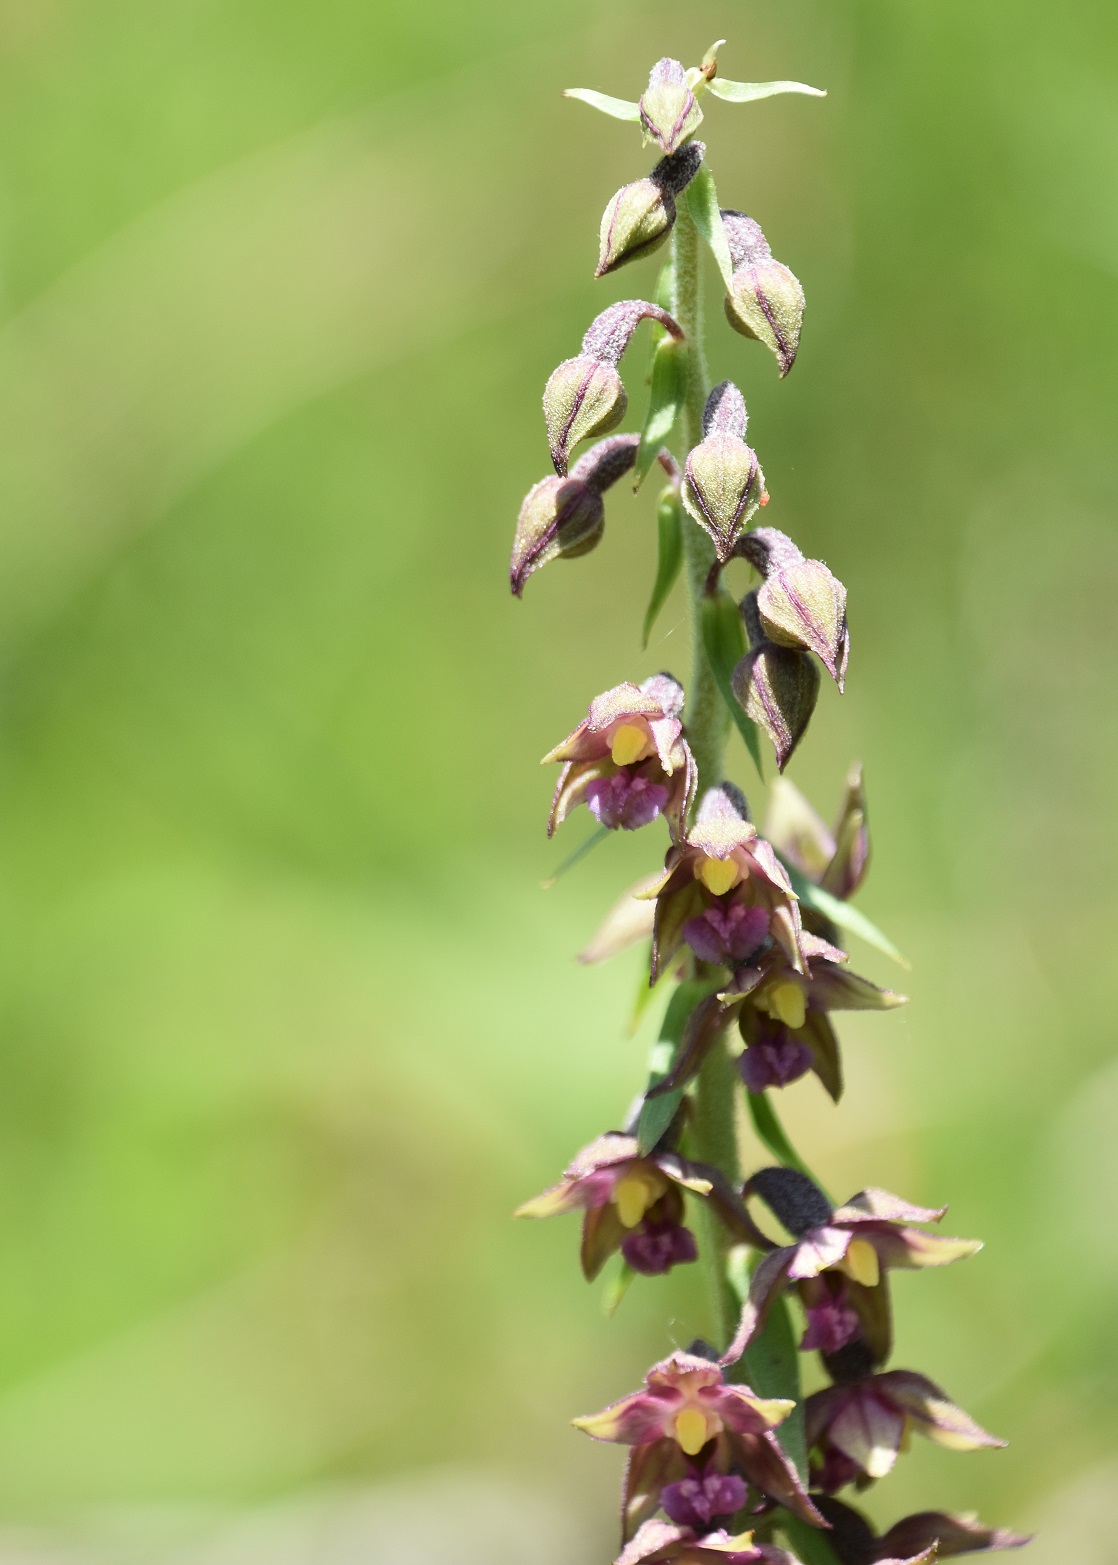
(771, 1134)
(616, 1289)
(658, 1113)
(771, 1363)
(724, 643)
(842, 914)
(669, 523)
(702, 202)
(809, 1544)
(669, 387)
(749, 92)
(617, 108)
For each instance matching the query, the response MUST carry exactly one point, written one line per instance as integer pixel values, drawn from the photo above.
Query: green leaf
(771, 1362)
(749, 92)
(702, 202)
(809, 1544)
(669, 387)
(665, 292)
(669, 523)
(771, 1133)
(617, 108)
(658, 1113)
(574, 858)
(724, 642)
(842, 914)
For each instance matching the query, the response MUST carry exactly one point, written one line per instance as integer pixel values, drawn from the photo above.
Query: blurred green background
(287, 1025)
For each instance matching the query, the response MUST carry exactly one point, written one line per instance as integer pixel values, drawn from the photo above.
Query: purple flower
(704, 1495)
(655, 1247)
(727, 935)
(832, 1321)
(775, 1059)
(628, 800)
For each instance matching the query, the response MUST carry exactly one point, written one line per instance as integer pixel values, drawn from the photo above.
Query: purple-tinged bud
(639, 217)
(668, 110)
(565, 516)
(583, 397)
(560, 516)
(851, 858)
(610, 333)
(767, 550)
(778, 687)
(723, 482)
(802, 604)
(765, 300)
(724, 413)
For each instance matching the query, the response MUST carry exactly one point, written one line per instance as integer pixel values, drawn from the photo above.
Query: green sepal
(702, 203)
(616, 1289)
(771, 1362)
(616, 108)
(843, 915)
(669, 525)
(749, 92)
(669, 388)
(724, 643)
(658, 1113)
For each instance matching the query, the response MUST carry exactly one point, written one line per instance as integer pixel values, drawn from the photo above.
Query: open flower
(688, 1408)
(662, 1541)
(723, 891)
(928, 1534)
(635, 1204)
(853, 1246)
(857, 1428)
(776, 1005)
(627, 761)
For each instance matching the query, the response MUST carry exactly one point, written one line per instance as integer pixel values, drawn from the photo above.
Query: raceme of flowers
(748, 926)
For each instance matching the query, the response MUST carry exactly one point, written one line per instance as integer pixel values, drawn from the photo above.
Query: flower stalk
(729, 1461)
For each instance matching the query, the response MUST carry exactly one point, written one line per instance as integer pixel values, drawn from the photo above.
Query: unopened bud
(668, 110)
(777, 687)
(765, 300)
(802, 604)
(723, 482)
(560, 516)
(639, 218)
(585, 396)
(767, 549)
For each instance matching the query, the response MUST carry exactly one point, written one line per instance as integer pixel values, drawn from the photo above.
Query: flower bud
(560, 516)
(639, 218)
(723, 482)
(765, 300)
(584, 396)
(776, 686)
(803, 605)
(668, 110)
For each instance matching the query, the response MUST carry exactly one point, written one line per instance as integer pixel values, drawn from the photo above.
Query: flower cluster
(749, 925)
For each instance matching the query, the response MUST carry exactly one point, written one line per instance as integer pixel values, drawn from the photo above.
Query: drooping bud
(802, 604)
(723, 482)
(639, 217)
(765, 300)
(565, 516)
(585, 396)
(668, 110)
(776, 686)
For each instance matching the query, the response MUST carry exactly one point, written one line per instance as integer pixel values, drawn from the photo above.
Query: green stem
(714, 1129)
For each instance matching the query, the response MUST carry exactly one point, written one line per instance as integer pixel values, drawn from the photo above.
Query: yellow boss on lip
(630, 744)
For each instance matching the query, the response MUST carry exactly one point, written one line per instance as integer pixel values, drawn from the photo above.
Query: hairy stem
(715, 1133)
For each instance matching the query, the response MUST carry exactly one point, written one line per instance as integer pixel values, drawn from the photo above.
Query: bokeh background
(287, 1025)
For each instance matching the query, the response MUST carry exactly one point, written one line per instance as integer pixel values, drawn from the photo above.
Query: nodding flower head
(668, 109)
(723, 482)
(640, 216)
(627, 760)
(765, 300)
(564, 517)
